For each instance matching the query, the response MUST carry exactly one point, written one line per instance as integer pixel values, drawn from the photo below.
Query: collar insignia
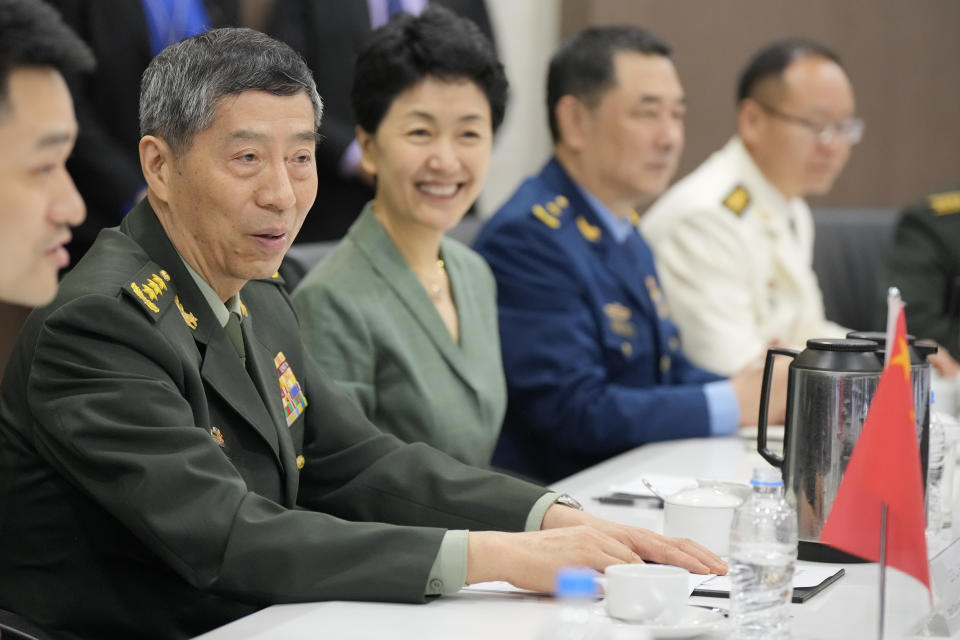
(589, 231)
(188, 317)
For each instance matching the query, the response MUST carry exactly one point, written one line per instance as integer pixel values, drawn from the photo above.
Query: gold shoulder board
(152, 289)
(737, 200)
(945, 203)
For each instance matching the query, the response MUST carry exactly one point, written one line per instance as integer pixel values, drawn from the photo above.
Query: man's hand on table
(747, 385)
(943, 363)
(575, 538)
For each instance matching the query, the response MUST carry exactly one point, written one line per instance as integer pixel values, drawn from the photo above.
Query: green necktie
(235, 333)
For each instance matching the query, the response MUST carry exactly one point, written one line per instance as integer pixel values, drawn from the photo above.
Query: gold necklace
(436, 289)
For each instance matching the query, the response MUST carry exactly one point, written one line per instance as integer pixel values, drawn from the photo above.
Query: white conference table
(847, 609)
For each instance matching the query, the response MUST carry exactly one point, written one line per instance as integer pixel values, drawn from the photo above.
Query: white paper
(498, 587)
(802, 577)
(697, 579)
(665, 485)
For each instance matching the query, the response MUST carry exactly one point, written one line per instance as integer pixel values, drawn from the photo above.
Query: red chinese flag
(885, 467)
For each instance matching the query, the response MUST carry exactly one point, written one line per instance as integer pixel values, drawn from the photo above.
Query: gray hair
(185, 82)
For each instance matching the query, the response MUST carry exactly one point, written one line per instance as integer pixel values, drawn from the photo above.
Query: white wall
(527, 34)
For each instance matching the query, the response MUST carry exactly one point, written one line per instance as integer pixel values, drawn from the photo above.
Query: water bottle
(935, 488)
(576, 592)
(578, 617)
(763, 555)
(951, 434)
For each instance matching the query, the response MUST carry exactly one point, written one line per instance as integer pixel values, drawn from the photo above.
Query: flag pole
(883, 566)
(894, 303)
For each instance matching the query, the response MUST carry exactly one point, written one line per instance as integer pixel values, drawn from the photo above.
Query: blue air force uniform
(592, 360)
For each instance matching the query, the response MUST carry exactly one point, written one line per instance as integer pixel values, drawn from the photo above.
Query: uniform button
(674, 343)
(627, 349)
(436, 585)
(301, 461)
(664, 364)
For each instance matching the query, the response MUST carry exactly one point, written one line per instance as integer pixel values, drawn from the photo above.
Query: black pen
(618, 500)
(630, 499)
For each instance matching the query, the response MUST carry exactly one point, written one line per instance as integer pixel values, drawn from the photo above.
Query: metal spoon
(650, 486)
(724, 612)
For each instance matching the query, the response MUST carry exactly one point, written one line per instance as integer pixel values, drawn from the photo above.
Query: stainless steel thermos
(830, 385)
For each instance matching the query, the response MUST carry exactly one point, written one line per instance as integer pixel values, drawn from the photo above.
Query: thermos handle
(768, 455)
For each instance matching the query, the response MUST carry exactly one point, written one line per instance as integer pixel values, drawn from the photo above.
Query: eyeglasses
(849, 131)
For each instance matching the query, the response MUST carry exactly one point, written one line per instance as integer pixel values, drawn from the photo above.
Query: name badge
(294, 402)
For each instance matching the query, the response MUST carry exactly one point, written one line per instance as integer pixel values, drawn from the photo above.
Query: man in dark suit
(167, 447)
(593, 362)
(329, 34)
(124, 36)
(38, 202)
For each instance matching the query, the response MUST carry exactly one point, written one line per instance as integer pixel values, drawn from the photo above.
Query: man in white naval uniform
(734, 239)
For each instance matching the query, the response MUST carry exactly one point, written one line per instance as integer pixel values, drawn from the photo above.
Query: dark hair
(772, 61)
(184, 83)
(32, 34)
(583, 65)
(408, 49)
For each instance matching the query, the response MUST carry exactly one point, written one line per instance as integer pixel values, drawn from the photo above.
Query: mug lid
(704, 497)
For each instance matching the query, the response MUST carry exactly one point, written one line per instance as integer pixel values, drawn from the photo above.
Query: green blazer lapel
(220, 364)
(263, 371)
(384, 257)
(474, 337)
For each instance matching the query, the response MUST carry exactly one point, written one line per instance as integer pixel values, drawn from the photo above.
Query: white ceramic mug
(703, 514)
(643, 592)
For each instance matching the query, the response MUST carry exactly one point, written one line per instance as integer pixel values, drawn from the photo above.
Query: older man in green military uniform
(167, 448)
(924, 263)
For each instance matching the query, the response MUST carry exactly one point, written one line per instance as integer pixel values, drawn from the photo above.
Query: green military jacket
(151, 486)
(373, 327)
(924, 263)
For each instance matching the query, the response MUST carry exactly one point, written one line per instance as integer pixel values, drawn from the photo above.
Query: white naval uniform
(735, 259)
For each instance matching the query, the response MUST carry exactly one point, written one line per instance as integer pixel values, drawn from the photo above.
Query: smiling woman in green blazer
(400, 316)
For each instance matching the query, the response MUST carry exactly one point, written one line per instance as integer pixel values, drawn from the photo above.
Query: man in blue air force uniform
(593, 362)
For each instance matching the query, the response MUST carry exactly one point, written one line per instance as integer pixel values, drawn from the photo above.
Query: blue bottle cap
(575, 582)
(766, 477)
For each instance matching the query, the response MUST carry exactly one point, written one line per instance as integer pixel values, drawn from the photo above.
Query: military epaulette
(945, 203)
(551, 212)
(152, 289)
(737, 200)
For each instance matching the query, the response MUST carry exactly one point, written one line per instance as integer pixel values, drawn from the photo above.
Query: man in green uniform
(168, 449)
(38, 202)
(924, 263)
